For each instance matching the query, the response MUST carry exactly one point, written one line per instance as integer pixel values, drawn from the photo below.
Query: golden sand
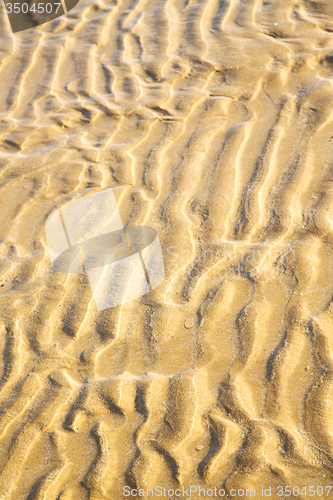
(215, 117)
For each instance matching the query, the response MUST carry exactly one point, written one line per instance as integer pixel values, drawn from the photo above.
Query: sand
(215, 120)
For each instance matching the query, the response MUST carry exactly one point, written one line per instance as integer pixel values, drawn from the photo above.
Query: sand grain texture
(216, 118)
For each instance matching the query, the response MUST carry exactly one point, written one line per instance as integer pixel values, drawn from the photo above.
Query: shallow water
(215, 118)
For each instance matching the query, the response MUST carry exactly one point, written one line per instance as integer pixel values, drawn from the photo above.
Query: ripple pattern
(215, 118)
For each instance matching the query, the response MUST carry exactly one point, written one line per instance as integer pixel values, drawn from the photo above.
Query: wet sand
(215, 117)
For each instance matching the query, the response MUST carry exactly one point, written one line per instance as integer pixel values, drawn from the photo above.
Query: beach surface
(213, 118)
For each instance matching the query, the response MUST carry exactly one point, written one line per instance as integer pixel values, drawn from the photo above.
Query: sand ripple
(215, 117)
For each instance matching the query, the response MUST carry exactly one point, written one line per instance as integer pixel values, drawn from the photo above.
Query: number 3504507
(24, 8)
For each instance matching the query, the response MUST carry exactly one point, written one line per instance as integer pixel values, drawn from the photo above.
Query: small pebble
(189, 323)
